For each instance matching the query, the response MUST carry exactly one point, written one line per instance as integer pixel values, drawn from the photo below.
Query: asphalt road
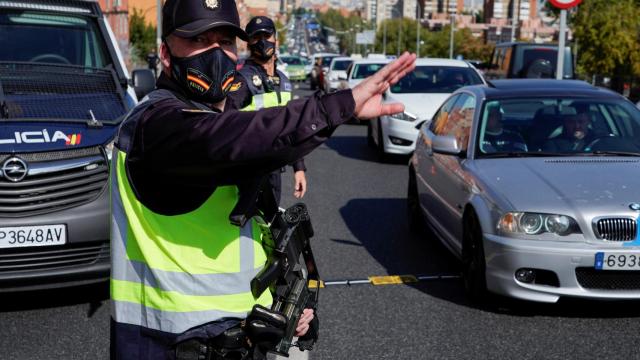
(358, 211)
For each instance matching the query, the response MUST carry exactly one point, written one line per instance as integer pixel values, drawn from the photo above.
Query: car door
(451, 180)
(448, 181)
(425, 162)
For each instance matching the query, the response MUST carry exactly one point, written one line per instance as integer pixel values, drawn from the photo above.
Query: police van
(64, 89)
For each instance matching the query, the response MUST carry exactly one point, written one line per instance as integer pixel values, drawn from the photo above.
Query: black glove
(265, 328)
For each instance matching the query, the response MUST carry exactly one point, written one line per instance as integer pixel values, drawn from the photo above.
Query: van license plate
(24, 236)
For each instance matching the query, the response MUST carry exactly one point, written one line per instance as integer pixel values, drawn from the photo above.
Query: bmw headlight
(404, 116)
(524, 223)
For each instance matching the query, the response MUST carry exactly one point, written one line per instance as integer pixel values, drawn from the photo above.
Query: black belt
(230, 345)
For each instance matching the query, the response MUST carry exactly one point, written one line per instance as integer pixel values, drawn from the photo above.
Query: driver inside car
(496, 137)
(576, 133)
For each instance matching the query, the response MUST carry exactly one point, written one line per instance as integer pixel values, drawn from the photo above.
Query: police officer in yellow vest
(262, 85)
(181, 273)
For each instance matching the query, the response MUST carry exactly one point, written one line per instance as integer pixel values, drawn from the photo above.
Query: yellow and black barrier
(382, 280)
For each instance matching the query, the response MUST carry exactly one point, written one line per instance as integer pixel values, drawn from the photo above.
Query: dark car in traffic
(519, 60)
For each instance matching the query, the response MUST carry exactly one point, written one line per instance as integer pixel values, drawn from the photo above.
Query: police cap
(260, 24)
(188, 18)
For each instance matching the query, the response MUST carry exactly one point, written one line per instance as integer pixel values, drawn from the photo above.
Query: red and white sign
(565, 4)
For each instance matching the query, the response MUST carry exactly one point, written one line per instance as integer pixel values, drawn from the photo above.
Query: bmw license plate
(24, 236)
(612, 260)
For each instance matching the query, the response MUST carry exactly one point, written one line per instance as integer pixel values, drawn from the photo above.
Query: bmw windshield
(559, 127)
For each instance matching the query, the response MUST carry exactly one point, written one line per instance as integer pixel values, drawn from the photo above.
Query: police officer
(180, 280)
(262, 85)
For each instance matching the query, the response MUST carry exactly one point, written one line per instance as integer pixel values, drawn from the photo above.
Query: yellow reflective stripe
(174, 301)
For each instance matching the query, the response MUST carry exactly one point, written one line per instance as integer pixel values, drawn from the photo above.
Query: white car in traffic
(361, 69)
(337, 70)
(422, 92)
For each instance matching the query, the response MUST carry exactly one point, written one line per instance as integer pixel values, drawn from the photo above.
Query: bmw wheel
(473, 262)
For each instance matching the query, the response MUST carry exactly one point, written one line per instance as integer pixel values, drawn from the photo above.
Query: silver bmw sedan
(535, 186)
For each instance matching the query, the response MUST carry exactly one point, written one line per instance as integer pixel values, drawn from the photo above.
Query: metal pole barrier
(561, 38)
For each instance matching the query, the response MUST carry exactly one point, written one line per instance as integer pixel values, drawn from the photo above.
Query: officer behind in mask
(181, 273)
(261, 85)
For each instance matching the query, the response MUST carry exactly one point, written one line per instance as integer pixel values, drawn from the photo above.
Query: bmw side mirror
(144, 81)
(446, 144)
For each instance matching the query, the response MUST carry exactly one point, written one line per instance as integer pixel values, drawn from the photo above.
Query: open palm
(368, 94)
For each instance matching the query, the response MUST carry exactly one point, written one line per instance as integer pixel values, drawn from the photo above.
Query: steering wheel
(56, 57)
(597, 140)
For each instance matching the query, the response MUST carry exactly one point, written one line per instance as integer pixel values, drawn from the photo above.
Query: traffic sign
(565, 4)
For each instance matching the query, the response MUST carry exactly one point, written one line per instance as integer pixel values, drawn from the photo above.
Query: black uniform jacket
(241, 96)
(179, 154)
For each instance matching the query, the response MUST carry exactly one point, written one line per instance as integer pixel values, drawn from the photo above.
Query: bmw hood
(20, 137)
(421, 105)
(577, 185)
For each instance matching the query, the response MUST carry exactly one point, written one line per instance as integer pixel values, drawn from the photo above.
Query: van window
(533, 61)
(55, 39)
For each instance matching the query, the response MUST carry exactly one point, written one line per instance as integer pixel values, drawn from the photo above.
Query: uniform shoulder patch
(236, 86)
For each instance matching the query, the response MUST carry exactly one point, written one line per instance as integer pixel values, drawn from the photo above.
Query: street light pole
(418, 28)
(384, 38)
(453, 22)
(561, 41)
(399, 36)
(513, 20)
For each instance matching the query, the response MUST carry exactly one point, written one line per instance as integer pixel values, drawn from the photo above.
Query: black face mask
(207, 76)
(263, 49)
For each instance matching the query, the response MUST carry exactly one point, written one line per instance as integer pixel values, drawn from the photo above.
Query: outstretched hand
(368, 94)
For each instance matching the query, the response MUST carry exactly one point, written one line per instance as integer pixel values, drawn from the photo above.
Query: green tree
(607, 33)
(281, 31)
(142, 36)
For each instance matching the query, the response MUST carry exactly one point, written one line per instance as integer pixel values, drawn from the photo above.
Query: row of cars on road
(532, 184)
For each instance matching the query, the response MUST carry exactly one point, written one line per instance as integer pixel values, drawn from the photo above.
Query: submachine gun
(290, 262)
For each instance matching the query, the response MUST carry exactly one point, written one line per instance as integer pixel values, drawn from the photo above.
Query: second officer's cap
(188, 18)
(260, 24)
